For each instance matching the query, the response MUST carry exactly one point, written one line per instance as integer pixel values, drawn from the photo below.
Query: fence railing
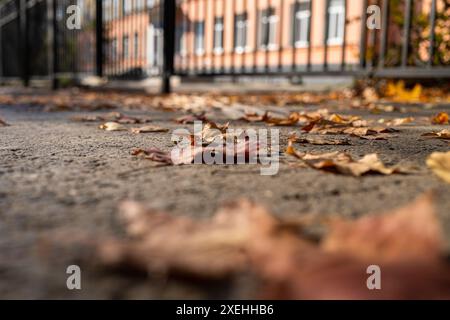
(134, 39)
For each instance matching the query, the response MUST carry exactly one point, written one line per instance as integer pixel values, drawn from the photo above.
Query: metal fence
(134, 39)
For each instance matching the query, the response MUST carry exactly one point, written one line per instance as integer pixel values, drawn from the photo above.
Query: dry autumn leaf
(339, 162)
(242, 238)
(441, 118)
(148, 129)
(443, 134)
(439, 162)
(3, 123)
(112, 126)
(318, 140)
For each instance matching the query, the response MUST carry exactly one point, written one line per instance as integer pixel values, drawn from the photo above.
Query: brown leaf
(443, 134)
(439, 162)
(411, 232)
(319, 140)
(190, 119)
(154, 154)
(3, 123)
(148, 129)
(339, 162)
(112, 126)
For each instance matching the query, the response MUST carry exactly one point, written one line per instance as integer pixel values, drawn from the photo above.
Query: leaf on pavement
(191, 118)
(389, 236)
(343, 163)
(243, 237)
(439, 162)
(3, 123)
(148, 129)
(154, 154)
(112, 126)
(443, 134)
(318, 140)
(441, 118)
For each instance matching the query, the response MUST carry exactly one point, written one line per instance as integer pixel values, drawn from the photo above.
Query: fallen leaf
(377, 236)
(112, 126)
(399, 121)
(190, 119)
(398, 92)
(319, 140)
(439, 162)
(154, 154)
(441, 118)
(339, 162)
(443, 134)
(3, 123)
(244, 238)
(148, 129)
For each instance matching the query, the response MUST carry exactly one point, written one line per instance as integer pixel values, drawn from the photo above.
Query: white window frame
(271, 23)
(241, 30)
(302, 23)
(336, 22)
(107, 7)
(218, 30)
(125, 47)
(127, 6)
(199, 41)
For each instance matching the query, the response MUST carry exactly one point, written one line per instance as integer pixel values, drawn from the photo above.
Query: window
(127, 6)
(268, 29)
(114, 49)
(125, 51)
(140, 5)
(115, 9)
(302, 18)
(136, 45)
(240, 32)
(180, 33)
(336, 20)
(199, 28)
(107, 9)
(218, 35)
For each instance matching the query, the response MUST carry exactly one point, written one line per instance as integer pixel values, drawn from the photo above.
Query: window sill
(218, 51)
(242, 50)
(335, 42)
(301, 45)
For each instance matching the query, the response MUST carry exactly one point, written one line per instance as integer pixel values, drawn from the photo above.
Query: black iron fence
(135, 39)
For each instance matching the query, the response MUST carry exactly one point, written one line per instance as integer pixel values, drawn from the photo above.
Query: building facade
(244, 36)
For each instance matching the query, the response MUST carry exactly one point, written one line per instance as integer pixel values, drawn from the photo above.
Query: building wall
(285, 55)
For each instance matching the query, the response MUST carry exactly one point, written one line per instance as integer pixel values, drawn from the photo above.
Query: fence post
(99, 37)
(1, 46)
(53, 46)
(169, 44)
(24, 48)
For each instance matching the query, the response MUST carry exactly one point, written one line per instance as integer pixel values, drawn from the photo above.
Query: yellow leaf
(439, 162)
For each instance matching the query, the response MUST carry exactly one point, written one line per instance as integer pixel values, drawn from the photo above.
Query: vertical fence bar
(99, 37)
(24, 49)
(344, 37)
(384, 34)
(52, 50)
(294, 26)
(169, 39)
(308, 63)
(432, 33)
(325, 36)
(406, 33)
(280, 35)
(363, 40)
(1, 45)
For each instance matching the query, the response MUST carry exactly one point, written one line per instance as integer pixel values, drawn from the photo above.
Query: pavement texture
(57, 174)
